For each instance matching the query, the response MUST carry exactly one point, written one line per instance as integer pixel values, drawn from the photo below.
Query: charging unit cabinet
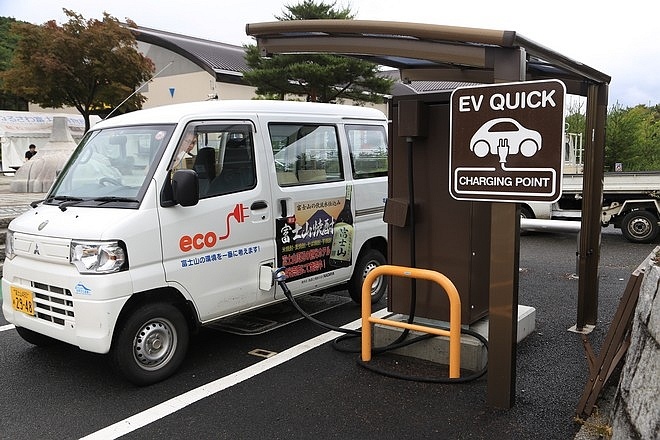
(450, 236)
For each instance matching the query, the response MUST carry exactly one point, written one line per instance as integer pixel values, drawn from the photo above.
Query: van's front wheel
(367, 261)
(151, 344)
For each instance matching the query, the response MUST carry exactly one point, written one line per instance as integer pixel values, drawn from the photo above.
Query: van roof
(175, 112)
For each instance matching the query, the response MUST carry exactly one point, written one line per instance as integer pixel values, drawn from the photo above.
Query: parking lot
(229, 389)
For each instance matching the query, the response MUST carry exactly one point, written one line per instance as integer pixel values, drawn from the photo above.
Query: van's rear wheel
(151, 344)
(367, 262)
(640, 226)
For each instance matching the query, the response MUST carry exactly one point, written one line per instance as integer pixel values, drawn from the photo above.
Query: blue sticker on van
(81, 289)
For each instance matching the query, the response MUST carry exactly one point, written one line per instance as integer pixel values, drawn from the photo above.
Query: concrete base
(474, 355)
(585, 330)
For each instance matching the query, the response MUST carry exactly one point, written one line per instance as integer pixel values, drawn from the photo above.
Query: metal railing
(454, 332)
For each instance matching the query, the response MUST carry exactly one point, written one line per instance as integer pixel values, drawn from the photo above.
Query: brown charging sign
(506, 142)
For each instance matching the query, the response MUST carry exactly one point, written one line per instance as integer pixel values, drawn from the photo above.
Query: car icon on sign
(508, 133)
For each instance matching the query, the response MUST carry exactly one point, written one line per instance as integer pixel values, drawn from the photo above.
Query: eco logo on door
(507, 142)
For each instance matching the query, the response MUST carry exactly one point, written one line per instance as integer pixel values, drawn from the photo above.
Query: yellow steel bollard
(454, 332)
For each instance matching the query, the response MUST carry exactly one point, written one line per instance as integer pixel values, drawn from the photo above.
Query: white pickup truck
(631, 202)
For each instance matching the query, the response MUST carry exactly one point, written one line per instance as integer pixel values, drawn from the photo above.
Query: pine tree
(319, 77)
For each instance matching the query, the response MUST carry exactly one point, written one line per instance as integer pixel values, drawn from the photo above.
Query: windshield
(111, 165)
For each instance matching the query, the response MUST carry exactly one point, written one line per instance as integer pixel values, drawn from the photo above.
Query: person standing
(32, 150)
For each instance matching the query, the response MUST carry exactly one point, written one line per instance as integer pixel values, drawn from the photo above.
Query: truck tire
(151, 343)
(367, 261)
(640, 226)
(35, 338)
(526, 212)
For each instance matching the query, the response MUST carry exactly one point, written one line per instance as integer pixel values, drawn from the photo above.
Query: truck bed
(640, 182)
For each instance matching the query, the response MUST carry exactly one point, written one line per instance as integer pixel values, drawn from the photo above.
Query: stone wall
(636, 412)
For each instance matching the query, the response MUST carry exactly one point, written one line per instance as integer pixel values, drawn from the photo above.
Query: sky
(621, 41)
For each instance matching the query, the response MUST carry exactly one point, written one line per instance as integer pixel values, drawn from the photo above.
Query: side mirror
(185, 187)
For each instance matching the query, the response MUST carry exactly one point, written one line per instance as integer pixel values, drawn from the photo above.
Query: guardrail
(454, 332)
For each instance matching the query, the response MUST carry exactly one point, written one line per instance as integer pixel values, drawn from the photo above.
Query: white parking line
(179, 402)
(7, 327)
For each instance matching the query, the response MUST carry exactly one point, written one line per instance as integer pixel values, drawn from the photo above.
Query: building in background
(193, 69)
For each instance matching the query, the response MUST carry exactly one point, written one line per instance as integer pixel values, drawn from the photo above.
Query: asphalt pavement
(324, 393)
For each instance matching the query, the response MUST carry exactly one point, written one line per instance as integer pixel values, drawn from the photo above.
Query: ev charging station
(451, 155)
(500, 143)
(453, 191)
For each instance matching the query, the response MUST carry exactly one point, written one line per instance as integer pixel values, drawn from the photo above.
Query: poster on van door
(318, 238)
(507, 141)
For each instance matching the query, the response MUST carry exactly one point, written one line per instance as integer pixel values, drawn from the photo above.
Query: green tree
(90, 65)
(318, 78)
(8, 42)
(633, 138)
(576, 121)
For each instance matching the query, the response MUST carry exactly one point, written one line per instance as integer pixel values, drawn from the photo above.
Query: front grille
(52, 303)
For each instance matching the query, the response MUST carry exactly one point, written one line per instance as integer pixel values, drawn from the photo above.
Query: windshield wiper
(66, 201)
(35, 203)
(108, 199)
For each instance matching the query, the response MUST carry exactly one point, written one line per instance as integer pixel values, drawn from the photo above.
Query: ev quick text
(509, 101)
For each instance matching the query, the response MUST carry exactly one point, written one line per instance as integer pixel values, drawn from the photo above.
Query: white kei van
(167, 219)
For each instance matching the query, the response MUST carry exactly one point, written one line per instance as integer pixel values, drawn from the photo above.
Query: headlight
(98, 256)
(9, 245)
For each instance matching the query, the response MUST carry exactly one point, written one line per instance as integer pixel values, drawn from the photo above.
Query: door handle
(259, 204)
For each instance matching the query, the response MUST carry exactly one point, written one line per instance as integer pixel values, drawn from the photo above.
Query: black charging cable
(280, 277)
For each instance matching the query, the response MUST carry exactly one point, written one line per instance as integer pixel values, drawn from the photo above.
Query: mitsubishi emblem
(36, 249)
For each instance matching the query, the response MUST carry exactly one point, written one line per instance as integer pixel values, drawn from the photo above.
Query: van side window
(305, 153)
(222, 156)
(368, 147)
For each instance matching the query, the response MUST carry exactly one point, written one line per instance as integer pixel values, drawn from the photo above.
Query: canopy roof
(423, 52)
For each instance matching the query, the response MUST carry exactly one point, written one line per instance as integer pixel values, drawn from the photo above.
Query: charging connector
(503, 150)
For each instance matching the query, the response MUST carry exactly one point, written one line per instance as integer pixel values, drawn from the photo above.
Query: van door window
(368, 147)
(222, 156)
(305, 153)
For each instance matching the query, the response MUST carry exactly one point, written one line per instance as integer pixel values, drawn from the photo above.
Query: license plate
(21, 300)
